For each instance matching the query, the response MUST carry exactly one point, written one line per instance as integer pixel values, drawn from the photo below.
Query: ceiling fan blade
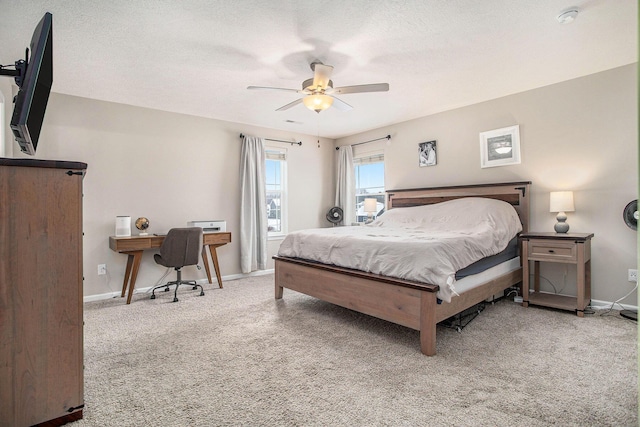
(321, 75)
(375, 87)
(340, 105)
(289, 105)
(275, 88)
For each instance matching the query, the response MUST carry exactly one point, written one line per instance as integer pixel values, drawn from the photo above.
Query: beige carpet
(238, 357)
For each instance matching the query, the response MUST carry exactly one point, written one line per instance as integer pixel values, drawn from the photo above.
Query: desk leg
(205, 261)
(130, 275)
(127, 273)
(216, 265)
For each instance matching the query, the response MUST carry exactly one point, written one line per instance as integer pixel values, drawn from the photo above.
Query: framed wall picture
(427, 155)
(500, 147)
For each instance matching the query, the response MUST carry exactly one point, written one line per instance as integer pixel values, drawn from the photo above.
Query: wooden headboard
(515, 193)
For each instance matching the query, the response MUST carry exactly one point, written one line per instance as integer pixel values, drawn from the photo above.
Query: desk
(134, 246)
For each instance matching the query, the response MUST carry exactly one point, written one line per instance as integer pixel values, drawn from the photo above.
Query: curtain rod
(388, 137)
(279, 140)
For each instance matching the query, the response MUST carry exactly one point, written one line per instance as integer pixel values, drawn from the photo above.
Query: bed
(410, 303)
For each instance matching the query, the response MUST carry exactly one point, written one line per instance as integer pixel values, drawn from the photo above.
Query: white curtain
(253, 206)
(346, 185)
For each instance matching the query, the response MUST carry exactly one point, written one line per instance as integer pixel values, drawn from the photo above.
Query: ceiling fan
(319, 91)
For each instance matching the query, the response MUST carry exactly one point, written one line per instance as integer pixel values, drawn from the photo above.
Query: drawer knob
(551, 251)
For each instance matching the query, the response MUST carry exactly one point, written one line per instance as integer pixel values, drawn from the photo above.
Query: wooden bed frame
(408, 303)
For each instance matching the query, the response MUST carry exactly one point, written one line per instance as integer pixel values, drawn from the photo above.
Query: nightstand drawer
(554, 251)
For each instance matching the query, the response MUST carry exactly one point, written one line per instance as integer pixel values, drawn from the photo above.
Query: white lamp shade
(561, 201)
(370, 205)
(317, 102)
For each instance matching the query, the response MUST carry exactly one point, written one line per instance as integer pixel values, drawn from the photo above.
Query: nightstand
(569, 248)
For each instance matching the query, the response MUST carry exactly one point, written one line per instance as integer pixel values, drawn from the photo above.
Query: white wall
(170, 168)
(7, 97)
(579, 135)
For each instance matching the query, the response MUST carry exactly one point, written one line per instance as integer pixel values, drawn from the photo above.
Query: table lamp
(370, 207)
(561, 202)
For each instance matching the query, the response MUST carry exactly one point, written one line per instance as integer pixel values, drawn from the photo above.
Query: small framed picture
(427, 155)
(500, 147)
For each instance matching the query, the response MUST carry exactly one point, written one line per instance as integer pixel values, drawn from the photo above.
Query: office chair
(180, 248)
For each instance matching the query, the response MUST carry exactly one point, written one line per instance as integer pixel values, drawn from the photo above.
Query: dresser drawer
(554, 251)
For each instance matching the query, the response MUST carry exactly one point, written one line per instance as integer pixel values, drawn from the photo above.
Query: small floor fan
(335, 215)
(630, 216)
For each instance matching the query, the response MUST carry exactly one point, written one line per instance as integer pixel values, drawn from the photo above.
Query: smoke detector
(568, 16)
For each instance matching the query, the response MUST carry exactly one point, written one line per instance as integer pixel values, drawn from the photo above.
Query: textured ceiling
(198, 57)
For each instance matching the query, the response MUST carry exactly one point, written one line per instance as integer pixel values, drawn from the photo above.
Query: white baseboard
(253, 273)
(604, 305)
(109, 295)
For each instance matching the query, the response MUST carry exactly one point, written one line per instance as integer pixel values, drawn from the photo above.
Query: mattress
(427, 244)
(510, 252)
(474, 280)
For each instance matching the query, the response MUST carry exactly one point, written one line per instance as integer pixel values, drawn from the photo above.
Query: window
(276, 178)
(369, 173)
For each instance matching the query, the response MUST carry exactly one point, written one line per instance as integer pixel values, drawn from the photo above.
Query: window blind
(275, 155)
(371, 158)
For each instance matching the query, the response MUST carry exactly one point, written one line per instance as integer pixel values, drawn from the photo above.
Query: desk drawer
(218, 238)
(131, 244)
(545, 250)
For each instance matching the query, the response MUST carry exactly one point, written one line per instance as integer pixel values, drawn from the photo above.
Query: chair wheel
(195, 287)
(166, 289)
(153, 297)
(175, 299)
(201, 293)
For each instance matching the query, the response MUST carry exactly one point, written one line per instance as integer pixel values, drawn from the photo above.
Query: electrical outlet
(102, 269)
(633, 275)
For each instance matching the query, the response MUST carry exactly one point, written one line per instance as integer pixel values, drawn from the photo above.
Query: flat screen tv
(35, 77)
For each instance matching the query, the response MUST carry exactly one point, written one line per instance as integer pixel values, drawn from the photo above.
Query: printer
(209, 226)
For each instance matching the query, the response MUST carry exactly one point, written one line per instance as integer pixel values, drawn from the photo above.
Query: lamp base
(561, 226)
(369, 219)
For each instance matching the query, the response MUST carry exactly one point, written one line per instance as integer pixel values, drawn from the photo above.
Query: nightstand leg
(587, 282)
(581, 273)
(525, 275)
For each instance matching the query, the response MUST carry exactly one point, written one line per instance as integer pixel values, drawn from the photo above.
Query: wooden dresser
(41, 326)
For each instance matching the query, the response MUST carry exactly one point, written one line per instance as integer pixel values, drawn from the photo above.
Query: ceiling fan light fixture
(317, 102)
(319, 91)
(309, 86)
